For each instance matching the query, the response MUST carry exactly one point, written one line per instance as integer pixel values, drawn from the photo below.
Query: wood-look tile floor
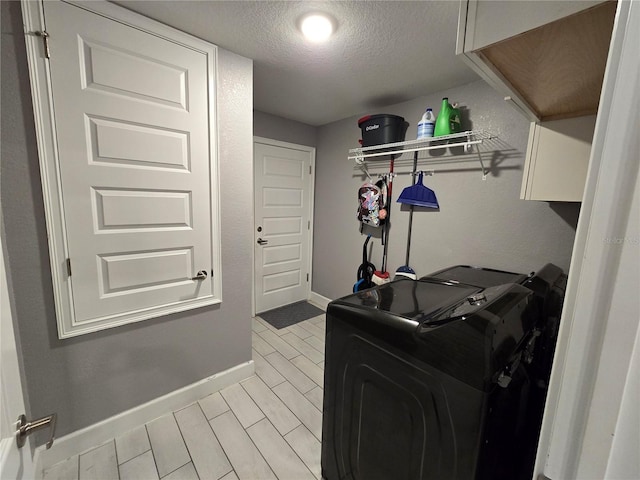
(268, 426)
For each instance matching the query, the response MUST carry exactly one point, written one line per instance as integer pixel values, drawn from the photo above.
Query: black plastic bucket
(382, 128)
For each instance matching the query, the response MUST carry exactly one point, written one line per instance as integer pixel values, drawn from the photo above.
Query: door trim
(12, 401)
(594, 351)
(312, 186)
(41, 93)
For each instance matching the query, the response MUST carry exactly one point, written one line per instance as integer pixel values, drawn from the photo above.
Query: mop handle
(406, 262)
(390, 180)
(413, 182)
(386, 242)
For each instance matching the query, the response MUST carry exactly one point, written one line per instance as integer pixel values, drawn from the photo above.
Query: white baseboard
(318, 300)
(101, 432)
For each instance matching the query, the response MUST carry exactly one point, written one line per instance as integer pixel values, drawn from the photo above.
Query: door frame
(12, 459)
(594, 351)
(312, 186)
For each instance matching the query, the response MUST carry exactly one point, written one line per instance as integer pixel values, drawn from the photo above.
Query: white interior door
(132, 119)
(15, 463)
(282, 184)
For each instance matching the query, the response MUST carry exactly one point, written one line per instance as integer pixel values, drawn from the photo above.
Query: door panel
(150, 270)
(140, 209)
(284, 253)
(108, 68)
(130, 145)
(282, 212)
(132, 120)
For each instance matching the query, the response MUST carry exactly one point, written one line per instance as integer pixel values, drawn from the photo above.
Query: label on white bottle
(425, 130)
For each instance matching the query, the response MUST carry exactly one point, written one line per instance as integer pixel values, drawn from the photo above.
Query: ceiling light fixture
(316, 27)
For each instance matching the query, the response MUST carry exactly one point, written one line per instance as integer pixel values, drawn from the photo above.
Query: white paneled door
(133, 124)
(283, 197)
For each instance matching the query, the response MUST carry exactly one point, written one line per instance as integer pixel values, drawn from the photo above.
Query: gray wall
(282, 129)
(92, 377)
(480, 222)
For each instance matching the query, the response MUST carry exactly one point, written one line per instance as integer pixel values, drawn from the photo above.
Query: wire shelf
(467, 140)
(471, 137)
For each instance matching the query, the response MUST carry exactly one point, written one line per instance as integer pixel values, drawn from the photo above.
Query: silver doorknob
(26, 428)
(262, 242)
(201, 275)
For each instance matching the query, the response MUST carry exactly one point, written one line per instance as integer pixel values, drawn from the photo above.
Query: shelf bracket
(485, 172)
(468, 146)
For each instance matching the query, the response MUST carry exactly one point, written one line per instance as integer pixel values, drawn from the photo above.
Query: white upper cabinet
(548, 60)
(128, 159)
(484, 26)
(556, 164)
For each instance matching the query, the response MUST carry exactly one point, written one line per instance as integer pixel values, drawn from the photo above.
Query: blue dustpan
(419, 195)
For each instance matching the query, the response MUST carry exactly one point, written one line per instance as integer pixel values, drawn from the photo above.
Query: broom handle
(386, 242)
(406, 262)
(413, 182)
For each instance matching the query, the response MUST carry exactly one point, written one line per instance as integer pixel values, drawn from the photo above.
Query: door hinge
(307, 277)
(68, 266)
(309, 169)
(45, 40)
(308, 224)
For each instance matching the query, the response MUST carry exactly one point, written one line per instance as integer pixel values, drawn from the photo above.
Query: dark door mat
(288, 315)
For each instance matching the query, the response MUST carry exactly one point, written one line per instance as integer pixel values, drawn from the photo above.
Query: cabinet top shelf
(465, 139)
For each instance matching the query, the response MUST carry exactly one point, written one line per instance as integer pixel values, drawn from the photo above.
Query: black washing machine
(441, 378)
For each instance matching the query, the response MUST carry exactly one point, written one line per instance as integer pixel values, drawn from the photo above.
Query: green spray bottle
(443, 124)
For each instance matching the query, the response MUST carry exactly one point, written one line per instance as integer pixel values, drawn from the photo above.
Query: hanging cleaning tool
(372, 204)
(426, 125)
(382, 276)
(419, 195)
(365, 270)
(443, 122)
(406, 270)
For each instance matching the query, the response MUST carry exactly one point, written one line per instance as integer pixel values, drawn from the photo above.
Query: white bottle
(427, 124)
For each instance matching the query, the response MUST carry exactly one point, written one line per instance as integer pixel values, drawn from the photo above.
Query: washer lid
(478, 276)
(411, 299)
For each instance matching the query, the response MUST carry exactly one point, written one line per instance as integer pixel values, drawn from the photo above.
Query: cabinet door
(557, 159)
(489, 22)
(135, 164)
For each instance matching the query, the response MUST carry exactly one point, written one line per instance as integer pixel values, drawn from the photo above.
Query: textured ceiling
(383, 52)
